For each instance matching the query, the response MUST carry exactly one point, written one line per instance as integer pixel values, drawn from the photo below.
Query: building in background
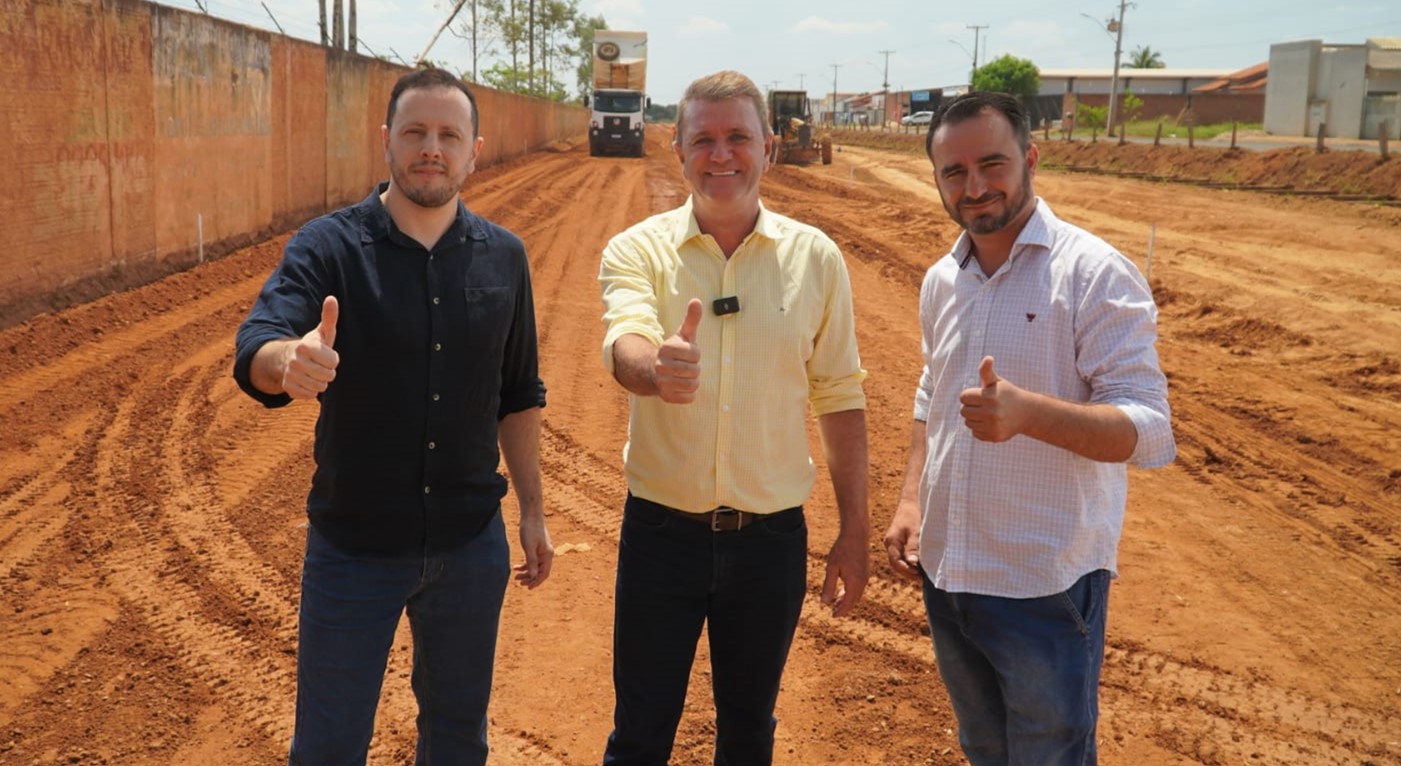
(1343, 91)
(1187, 96)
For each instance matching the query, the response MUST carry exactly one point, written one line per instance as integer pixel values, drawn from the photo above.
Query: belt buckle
(720, 519)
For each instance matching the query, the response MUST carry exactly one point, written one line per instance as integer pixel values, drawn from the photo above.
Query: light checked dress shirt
(1068, 316)
(743, 441)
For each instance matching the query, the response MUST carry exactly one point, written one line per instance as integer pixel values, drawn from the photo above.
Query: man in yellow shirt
(717, 457)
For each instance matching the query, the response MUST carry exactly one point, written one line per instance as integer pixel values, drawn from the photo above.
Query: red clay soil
(151, 521)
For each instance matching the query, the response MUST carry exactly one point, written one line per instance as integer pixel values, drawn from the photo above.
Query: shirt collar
(685, 226)
(376, 224)
(1036, 232)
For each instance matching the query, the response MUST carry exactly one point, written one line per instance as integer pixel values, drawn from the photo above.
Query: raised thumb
(691, 322)
(330, 312)
(986, 374)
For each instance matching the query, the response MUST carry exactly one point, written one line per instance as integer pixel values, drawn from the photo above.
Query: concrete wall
(1342, 83)
(1289, 87)
(140, 134)
(1312, 83)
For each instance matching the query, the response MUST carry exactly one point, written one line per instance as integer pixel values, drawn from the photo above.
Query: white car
(918, 118)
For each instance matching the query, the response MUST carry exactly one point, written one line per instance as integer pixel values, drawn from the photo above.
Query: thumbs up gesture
(992, 411)
(310, 363)
(677, 370)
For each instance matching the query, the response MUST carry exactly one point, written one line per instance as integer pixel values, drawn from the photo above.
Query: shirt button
(435, 300)
(437, 347)
(432, 445)
(435, 397)
(427, 489)
(727, 358)
(724, 408)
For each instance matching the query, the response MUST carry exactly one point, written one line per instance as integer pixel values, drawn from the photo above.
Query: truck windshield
(608, 102)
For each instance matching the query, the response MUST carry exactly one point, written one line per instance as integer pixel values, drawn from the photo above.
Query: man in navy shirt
(412, 321)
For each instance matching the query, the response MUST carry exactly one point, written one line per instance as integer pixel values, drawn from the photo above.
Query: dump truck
(794, 137)
(618, 100)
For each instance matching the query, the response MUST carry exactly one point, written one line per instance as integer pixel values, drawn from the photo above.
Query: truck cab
(617, 123)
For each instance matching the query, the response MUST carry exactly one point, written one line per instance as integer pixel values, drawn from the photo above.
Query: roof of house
(1248, 79)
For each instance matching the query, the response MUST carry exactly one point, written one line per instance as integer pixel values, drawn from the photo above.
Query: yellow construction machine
(794, 142)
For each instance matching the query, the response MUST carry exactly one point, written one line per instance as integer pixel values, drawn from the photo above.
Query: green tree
(584, 27)
(540, 42)
(1129, 107)
(1008, 74)
(1144, 57)
(1092, 117)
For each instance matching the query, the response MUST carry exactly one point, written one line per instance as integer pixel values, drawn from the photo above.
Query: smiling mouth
(978, 203)
(725, 173)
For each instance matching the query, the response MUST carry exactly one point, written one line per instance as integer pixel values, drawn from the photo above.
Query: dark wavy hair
(970, 105)
(429, 77)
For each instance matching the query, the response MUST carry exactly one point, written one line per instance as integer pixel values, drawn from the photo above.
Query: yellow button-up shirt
(743, 441)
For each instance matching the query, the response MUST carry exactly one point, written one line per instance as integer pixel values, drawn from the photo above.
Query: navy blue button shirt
(436, 346)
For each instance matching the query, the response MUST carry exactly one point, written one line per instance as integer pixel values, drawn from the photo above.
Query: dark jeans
(350, 608)
(675, 575)
(1023, 674)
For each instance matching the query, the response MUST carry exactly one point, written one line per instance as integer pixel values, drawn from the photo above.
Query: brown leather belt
(722, 519)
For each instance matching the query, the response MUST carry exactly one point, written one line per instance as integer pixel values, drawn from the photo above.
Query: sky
(860, 46)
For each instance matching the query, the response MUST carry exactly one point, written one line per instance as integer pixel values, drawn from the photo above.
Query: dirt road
(151, 515)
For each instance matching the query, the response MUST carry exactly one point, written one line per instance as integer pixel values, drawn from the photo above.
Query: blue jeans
(350, 608)
(675, 575)
(1023, 674)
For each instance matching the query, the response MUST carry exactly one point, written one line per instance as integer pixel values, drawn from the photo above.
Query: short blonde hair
(721, 86)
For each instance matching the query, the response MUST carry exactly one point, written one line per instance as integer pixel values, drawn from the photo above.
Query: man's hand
(995, 412)
(309, 365)
(847, 572)
(539, 552)
(902, 540)
(677, 371)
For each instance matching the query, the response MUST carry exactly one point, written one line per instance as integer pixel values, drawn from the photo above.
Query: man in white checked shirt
(1040, 383)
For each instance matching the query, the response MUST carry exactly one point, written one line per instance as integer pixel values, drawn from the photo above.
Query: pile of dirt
(1296, 168)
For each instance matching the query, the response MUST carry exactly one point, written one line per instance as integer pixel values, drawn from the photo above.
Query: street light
(970, 55)
(1115, 29)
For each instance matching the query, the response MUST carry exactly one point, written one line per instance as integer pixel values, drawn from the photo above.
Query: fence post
(1191, 136)
(1322, 128)
(1121, 133)
(1385, 134)
(1158, 139)
(1233, 133)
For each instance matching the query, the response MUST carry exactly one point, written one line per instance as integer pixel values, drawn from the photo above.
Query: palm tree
(1144, 57)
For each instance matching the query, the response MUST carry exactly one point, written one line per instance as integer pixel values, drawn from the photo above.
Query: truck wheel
(827, 152)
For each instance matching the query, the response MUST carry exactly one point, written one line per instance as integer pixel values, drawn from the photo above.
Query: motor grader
(794, 142)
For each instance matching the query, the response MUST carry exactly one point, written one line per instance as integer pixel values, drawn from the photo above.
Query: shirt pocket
(489, 317)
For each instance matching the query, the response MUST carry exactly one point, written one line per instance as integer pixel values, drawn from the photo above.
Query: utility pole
(353, 47)
(325, 33)
(835, 67)
(337, 26)
(977, 29)
(800, 82)
(1118, 28)
(885, 90)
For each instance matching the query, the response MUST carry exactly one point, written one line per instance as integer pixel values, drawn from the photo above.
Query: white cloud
(819, 24)
(703, 26)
